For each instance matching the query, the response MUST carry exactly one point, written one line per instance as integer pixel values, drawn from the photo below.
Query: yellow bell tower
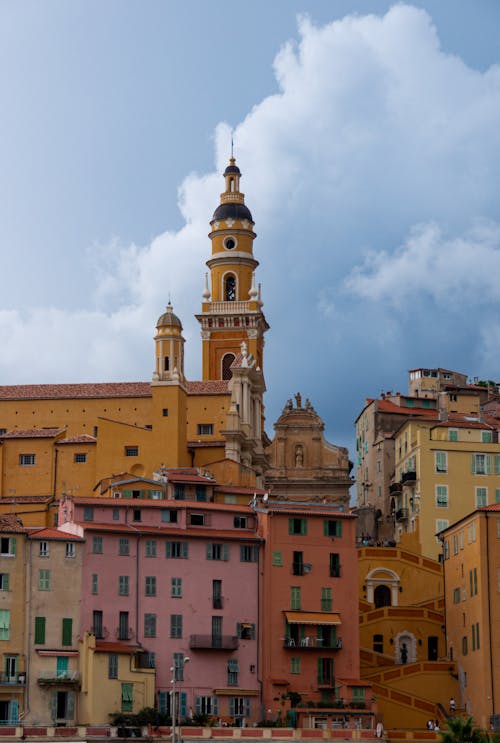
(232, 307)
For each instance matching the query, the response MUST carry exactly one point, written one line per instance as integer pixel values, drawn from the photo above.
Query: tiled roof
(114, 647)
(9, 522)
(238, 490)
(172, 532)
(20, 499)
(492, 507)
(84, 438)
(386, 406)
(72, 391)
(33, 433)
(163, 503)
(210, 387)
(55, 534)
(179, 477)
(463, 423)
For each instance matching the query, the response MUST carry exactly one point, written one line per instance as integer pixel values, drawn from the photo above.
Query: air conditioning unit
(117, 494)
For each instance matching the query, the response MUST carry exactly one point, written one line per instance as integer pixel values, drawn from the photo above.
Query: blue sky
(368, 135)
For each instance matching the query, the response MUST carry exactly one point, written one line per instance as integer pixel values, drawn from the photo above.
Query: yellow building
(444, 469)
(58, 439)
(472, 594)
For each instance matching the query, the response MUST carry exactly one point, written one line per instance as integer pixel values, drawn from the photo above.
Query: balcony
(145, 661)
(124, 634)
(55, 677)
(312, 643)
(213, 642)
(401, 514)
(17, 679)
(395, 488)
(407, 477)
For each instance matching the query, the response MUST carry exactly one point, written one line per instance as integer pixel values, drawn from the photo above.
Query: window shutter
(255, 551)
(197, 705)
(184, 550)
(67, 631)
(169, 549)
(320, 671)
(303, 526)
(247, 706)
(252, 631)
(473, 467)
(53, 705)
(231, 706)
(497, 464)
(209, 551)
(488, 464)
(238, 629)
(183, 707)
(290, 526)
(225, 552)
(162, 699)
(6, 581)
(39, 630)
(14, 710)
(215, 705)
(13, 545)
(70, 708)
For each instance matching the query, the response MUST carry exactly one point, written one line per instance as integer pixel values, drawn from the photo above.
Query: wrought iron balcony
(401, 514)
(17, 679)
(213, 642)
(218, 602)
(58, 677)
(312, 643)
(410, 476)
(395, 487)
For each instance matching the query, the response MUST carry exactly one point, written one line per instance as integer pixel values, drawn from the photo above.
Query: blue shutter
(225, 552)
(255, 553)
(215, 705)
(53, 705)
(231, 706)
(169, 549)
(184, 550)
(209, 551)
(183, 704)
(14, 710)
(162, 700)
(197, 705)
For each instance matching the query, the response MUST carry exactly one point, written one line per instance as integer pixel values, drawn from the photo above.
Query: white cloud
(373, 131)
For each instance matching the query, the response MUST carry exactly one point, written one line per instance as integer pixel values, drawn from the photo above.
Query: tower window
(227, 361)
(166, 363)
(230, 288)
(229, 243)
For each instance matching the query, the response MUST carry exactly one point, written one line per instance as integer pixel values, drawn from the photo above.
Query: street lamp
(173, 693)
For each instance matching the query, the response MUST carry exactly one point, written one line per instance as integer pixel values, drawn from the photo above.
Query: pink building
(177, 579)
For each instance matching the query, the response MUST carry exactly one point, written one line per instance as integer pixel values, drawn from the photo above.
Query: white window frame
(480, 497)
(438, 455)
(445, 489)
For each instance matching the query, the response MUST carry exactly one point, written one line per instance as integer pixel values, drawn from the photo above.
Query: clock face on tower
(229, 243)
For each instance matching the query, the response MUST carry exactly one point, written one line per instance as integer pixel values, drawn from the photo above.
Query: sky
(368, 135)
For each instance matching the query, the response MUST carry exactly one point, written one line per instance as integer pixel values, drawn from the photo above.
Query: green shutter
(183, 704)
(231, 706)
(290, 526)
(320, 671)
(210, 551)
(6, 579)
(215, 705)
(14, 710)
(53, 705)
(184, 550)
(67, 631)
(488, 464)
(247, 706)
(473, 464)
(225, 552)
(13, 545)
(303, 526)
(70, 708)
(326, 531)
(39, 630)
(197, 705)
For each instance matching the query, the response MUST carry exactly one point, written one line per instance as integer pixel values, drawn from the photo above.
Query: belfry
(232, 306)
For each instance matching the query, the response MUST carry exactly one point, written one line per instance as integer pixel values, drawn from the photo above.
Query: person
(404, 653)
(452, 705)
(436, 726)
(430, 725)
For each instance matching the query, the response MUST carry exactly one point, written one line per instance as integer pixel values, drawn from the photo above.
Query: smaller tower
(169, 348)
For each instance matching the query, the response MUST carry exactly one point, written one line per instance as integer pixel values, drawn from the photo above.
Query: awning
(312, 617)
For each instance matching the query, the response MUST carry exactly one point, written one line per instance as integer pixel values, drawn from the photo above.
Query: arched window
(166, 363)
(230, 288)
(382, 596)
(227, 360)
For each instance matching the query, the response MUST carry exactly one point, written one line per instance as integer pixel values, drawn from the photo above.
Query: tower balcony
(230, 308)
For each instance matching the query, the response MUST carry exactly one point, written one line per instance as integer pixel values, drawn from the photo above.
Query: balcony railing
(145, 660)
(395, 487)
(124, 633)
(58, 677)
(213, 642)
(101, 633)
(16, 679)
(228, 308)
(313, 643)
(401, 514)
(410, 476)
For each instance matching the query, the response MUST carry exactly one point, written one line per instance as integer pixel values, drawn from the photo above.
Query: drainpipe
(492, 680)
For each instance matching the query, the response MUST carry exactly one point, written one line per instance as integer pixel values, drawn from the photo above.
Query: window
(150, 547)
(67, 631)
(7, 546)
(5, 624)
(378, 643)
(277, 558)
(481, 497)
(325, 671)
(201, 493)
(455, 544)
(298, 563)
(168, 516)
(97, 623)
(88, 513)
(240, 522)
(39, 630)
(44, 549)
(149, 625)
(326, 599)
(44, 580)
(217, 602)
(217, 551)
(176, 588)
(441, 524)
(232, 672)
(97, 545)
(497, 495)
(294, 597)
(179, 492)
(332, 528)
(123, 546)
(178, 550)
(165, 412)
(80, 458)
(245, 630)
(197, 519)
(239, 706)
(205, 429)
(441, 461)
(230, 288)
(206, 705)
(486, 437)
(481, 464)
(112, 666)
(127, 697)
(116, 514)
(473, 581)
(123, 626)
(123, 585)
(249, 553)
(136, 514)
(294, 665)
(334, 565)
(456, 595)
(70, 549)
(4, 581)
(150, 585)
(26, 460)
(297, 526)
(95, 584)
(471, 532)
(442, 496)
(465, 648)
(227, 362)
(131, 451)
(452, 434)
(176, 625)
(358, 694)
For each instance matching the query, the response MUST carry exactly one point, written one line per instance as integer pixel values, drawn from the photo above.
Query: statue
(299, 455)
(298, 400)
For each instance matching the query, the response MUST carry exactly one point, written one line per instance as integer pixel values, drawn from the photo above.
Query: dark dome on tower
(232, 211)
(168, 319)
(232, 169)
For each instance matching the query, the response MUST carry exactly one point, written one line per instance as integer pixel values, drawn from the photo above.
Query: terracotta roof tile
(33, 433)
(84, 438)
(55, 534)
(491, 507)
(24, 499)
(114, 647)
(208, 387)
(10, 522)
(72, 391)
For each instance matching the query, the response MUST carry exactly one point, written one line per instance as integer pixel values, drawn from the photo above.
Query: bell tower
(231, 311)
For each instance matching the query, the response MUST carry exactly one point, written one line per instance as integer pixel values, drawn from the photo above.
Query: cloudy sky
(368, 135)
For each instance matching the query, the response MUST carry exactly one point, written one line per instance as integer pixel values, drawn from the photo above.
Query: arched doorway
(382, 596)
(227, 360)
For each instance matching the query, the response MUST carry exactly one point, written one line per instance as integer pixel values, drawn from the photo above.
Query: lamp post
(176, 670)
